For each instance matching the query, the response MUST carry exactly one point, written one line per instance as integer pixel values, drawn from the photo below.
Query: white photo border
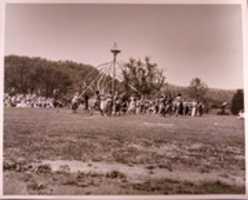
(244, 13)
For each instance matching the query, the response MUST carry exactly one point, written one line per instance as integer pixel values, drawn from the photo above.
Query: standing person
(142, 105)
(146, 106)
(152, 106)
(114, 101)
(169, 105)
(55, 98)
(117, 106)
(180, 108)
(109, 104)
(103, 104)
(156, 105)
(197, 108)
(193, 111)
(86, 101)
(98, 101)
(124, 105)
(200, 109)
(178, 101)
(75, 102)
(185, 107)
(162, 106)
(132, 106)
(166, 105)
(138, 105)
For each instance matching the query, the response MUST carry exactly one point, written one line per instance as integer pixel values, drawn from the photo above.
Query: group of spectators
(28, 101)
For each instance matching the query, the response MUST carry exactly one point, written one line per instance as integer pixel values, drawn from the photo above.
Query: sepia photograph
(123, 99)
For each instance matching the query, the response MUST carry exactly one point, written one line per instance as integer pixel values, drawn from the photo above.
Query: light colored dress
(193, 113)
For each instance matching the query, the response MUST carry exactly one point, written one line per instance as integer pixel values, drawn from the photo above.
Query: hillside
(35, 74)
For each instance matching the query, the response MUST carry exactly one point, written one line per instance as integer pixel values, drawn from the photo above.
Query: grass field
(57, 152)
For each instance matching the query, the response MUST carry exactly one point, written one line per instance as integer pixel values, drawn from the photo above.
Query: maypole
(115, 51)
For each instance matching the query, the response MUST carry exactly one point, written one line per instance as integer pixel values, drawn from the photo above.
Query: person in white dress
(132, 106)
(193, 111)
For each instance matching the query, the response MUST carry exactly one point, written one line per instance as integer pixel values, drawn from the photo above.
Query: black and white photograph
(123, 99)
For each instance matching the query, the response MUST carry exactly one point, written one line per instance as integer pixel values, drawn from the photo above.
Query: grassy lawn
(177, 154)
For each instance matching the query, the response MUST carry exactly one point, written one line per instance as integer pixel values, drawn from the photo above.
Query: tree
(142, 78)
(197, 89)
(237, 102)
(38, 75)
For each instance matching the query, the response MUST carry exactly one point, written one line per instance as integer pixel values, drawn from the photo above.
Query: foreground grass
(208, 144)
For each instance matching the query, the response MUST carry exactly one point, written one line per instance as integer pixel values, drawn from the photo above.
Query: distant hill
(38, 74)
(35, 74)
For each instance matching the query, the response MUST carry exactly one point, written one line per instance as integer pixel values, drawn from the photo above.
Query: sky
(186, 41)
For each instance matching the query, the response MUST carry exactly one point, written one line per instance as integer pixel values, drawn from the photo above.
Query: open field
(57, 152)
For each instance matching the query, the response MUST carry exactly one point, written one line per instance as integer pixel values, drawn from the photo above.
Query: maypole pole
(115, 51)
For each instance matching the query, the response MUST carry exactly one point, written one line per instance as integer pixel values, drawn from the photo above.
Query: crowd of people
(28, 101)
(107, 104)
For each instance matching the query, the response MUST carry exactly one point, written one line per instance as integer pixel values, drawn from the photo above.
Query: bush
(237, 102)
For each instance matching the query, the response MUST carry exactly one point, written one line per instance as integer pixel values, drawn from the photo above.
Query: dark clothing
(86, 101)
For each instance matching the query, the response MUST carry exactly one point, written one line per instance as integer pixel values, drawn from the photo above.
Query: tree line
(38, 75)
(140, 77)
